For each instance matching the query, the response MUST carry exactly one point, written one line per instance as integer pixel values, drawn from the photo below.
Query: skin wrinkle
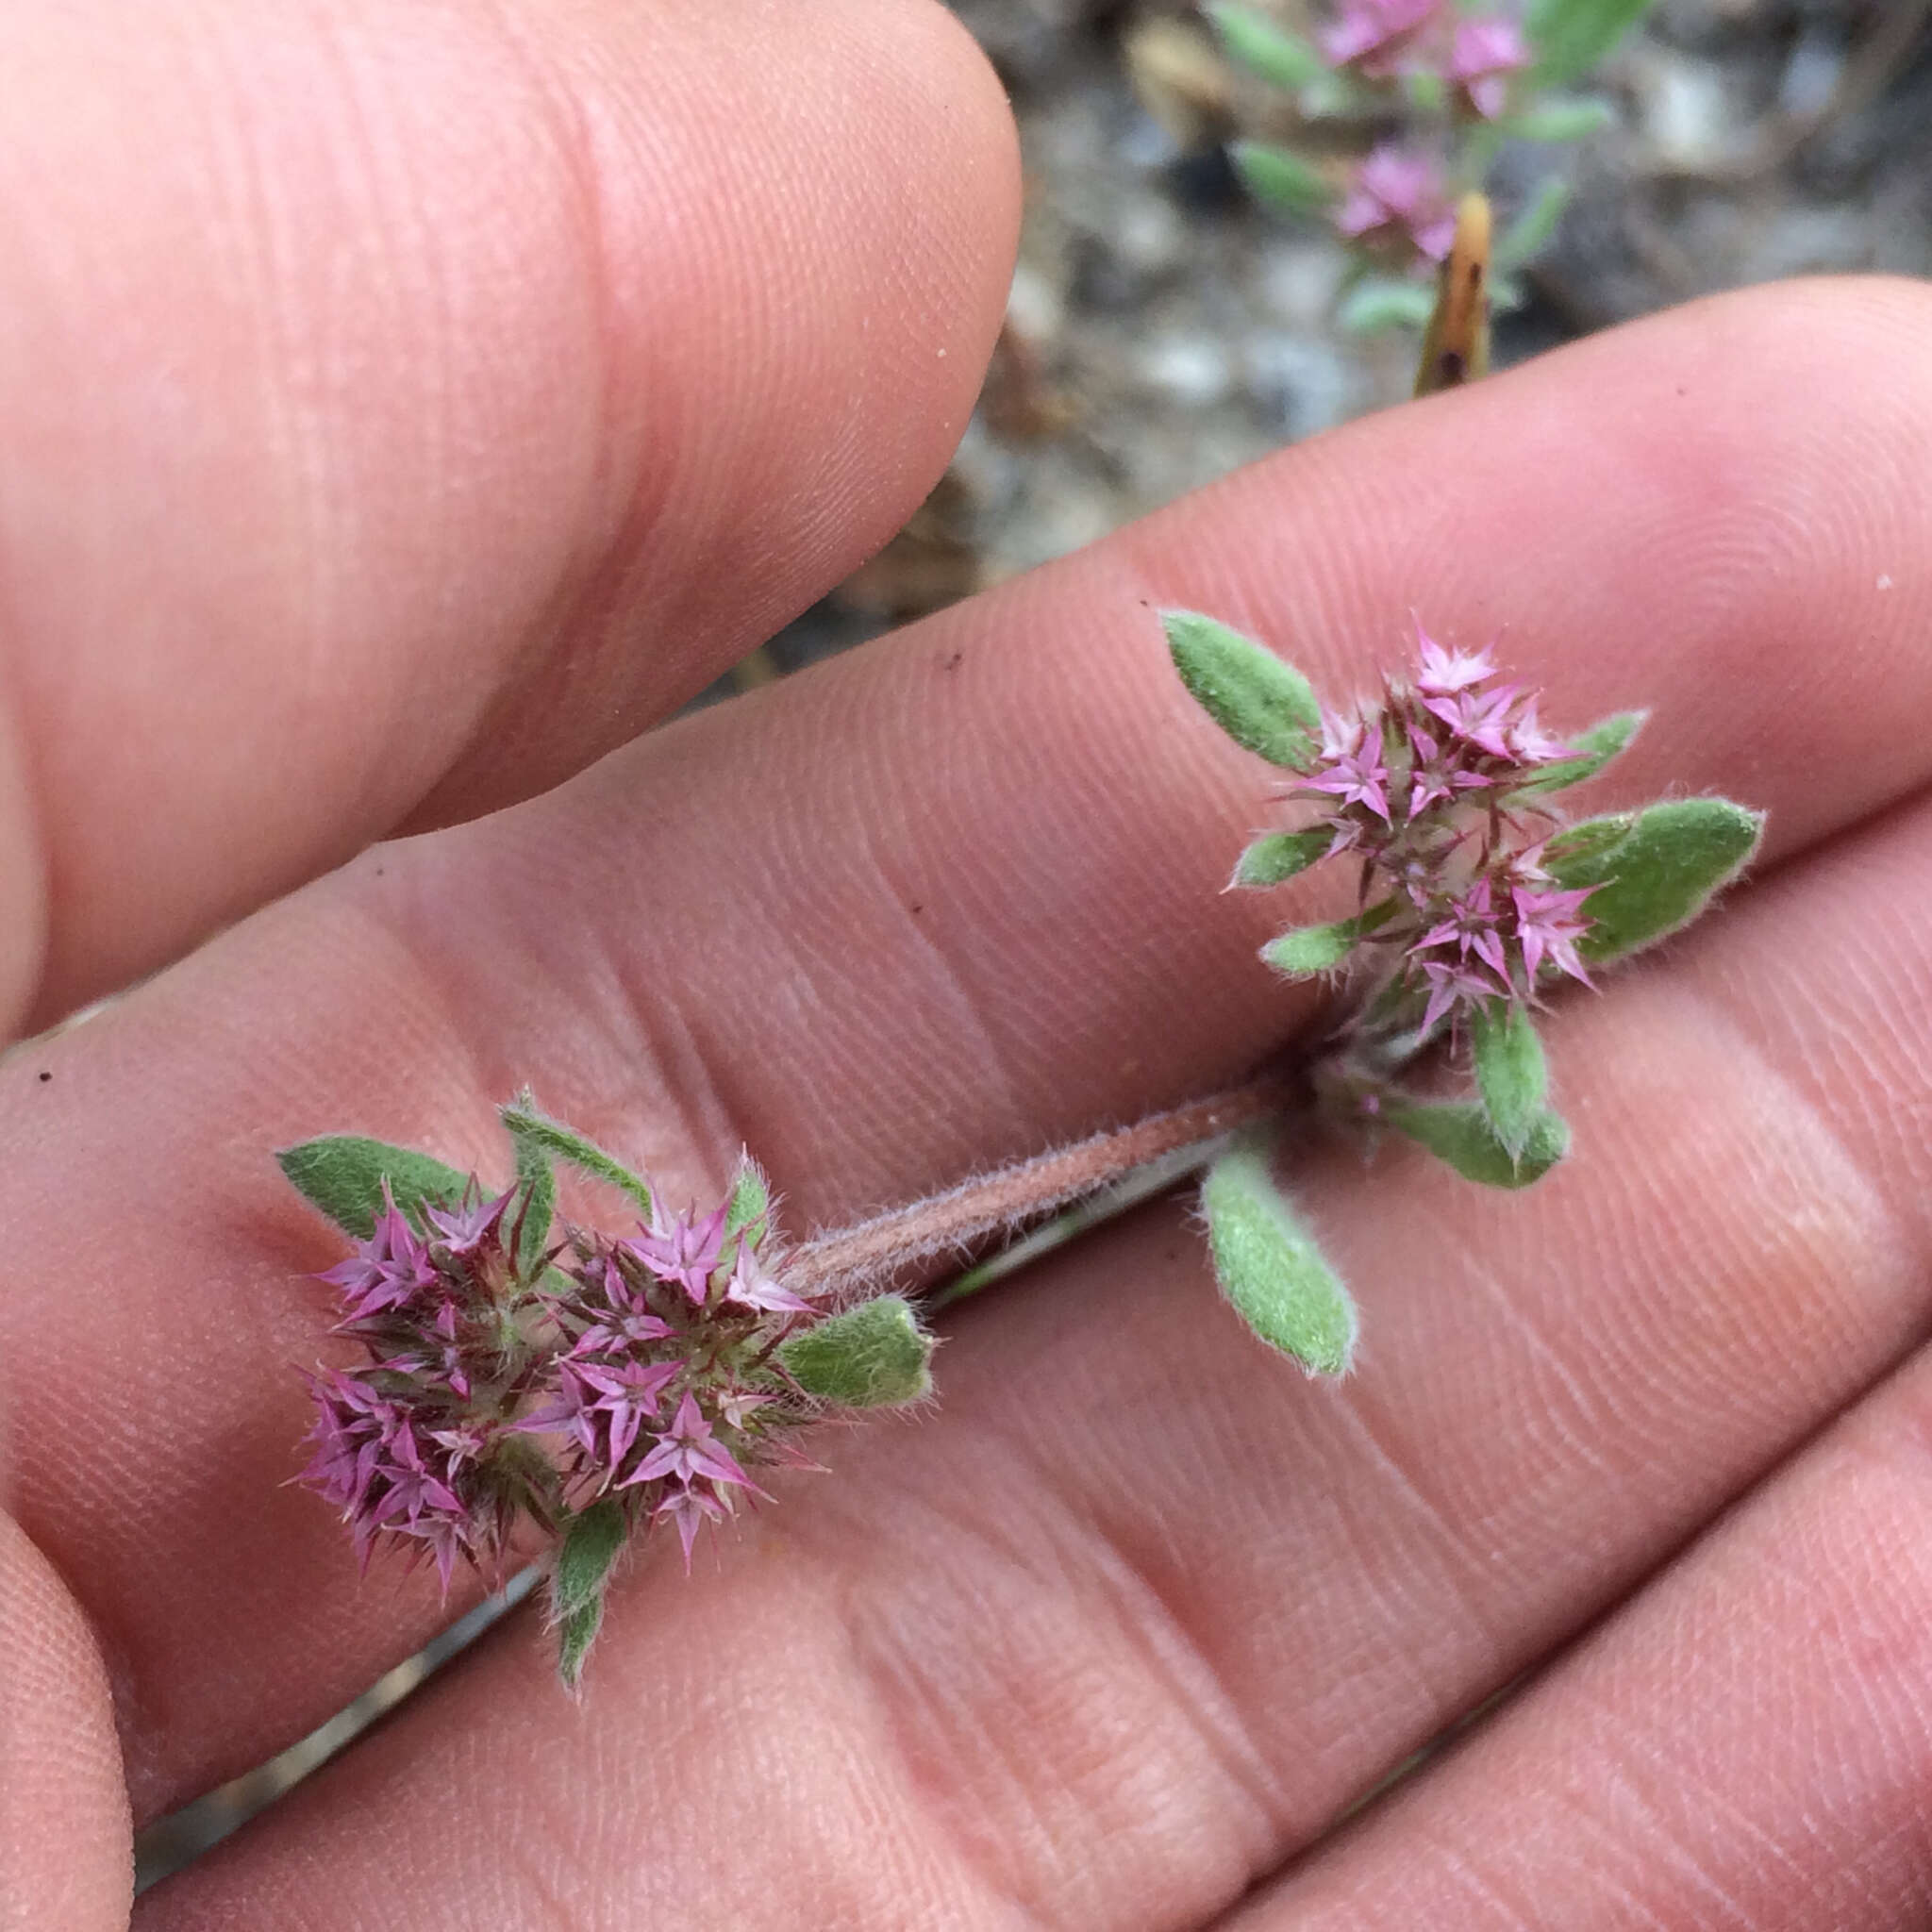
(1520, 1327)
(1145, 1605)
(1592, 1690)
(911, 1696)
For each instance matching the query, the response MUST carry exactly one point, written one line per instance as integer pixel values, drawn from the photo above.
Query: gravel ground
(1163, 331)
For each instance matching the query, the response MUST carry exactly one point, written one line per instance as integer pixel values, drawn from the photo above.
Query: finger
(401, 412)
(1748, 1743)
(65, 1856)
(960, 909)
(1140, 1613)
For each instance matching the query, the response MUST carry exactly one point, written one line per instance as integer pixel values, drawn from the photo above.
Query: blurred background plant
(1404, 106)
(1166, 326)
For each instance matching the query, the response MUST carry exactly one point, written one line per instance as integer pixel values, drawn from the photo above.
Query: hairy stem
(1011, 1198)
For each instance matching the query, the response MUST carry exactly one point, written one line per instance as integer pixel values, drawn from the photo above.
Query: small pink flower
(1374, 35)
(1472, 928)
(751, 1287)
(1482, 56)
(687, 1450)
(1453, 986)
(474, 1225)
(1445, 672)
(680, 1249)
(1531, 745)
(392, 1268)
(688, 1509)
(1352, 769)
(1396, 192)
(1478, 718)
(625, 1396)
(1548, 924)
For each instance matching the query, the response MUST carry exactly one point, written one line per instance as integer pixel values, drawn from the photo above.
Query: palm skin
(1119, 1635)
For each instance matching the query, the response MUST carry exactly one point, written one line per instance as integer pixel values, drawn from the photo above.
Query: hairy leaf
(527, 1124)
(1264, 704)
(1660, 874)
(875, 1355)
(1278, 857)
(1268, 1266)
(1510, 1074)
(343, 1175)
(1458, 1132)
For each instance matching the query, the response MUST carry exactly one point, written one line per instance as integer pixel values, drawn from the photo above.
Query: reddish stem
(1012, 1197)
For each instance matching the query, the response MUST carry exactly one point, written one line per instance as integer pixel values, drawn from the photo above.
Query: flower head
(1352, 768)
(680, 1249)
(370, 1462)
(1549, 922)
(1374, 35)
(1483, 54)
(474, 1225)
(1398, 192)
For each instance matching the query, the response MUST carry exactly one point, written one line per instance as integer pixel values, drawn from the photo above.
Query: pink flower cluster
(647, 1365)
(1473, 54)
(1398, 193)
(1427, 790)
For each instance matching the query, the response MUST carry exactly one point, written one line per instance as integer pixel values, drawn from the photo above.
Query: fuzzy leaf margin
(527, 1124)
(1272, 1271)
(342, 1175)
(1655, 871)
(1263, 703)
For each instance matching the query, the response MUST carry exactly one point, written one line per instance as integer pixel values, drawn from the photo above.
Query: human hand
(1128, 1624)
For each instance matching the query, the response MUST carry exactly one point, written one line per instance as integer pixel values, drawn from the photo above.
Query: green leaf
(1608, 739)
(1268, 1266)
(1458, 1131)
(342, 1174)
(576, 1633)
(538, 1205)
(1379, 302)
(1660, 874)
(1559, 118)
(1581, 844)
(1278, 178)
(875, 1355)
(1271, 861)
(1283, 58)
(1306, 950)
(751, 1197)
(527, 1125)
(1265, 706)
(584, 1558)
(1530, 232)
(1572, 36)
(1510, 1074)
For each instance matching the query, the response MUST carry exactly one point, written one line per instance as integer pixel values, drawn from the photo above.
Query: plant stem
(1010, 1198)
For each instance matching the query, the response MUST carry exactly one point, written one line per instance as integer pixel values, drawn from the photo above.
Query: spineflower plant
(1403, 107)
(1476, 899)
(518, 1376)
